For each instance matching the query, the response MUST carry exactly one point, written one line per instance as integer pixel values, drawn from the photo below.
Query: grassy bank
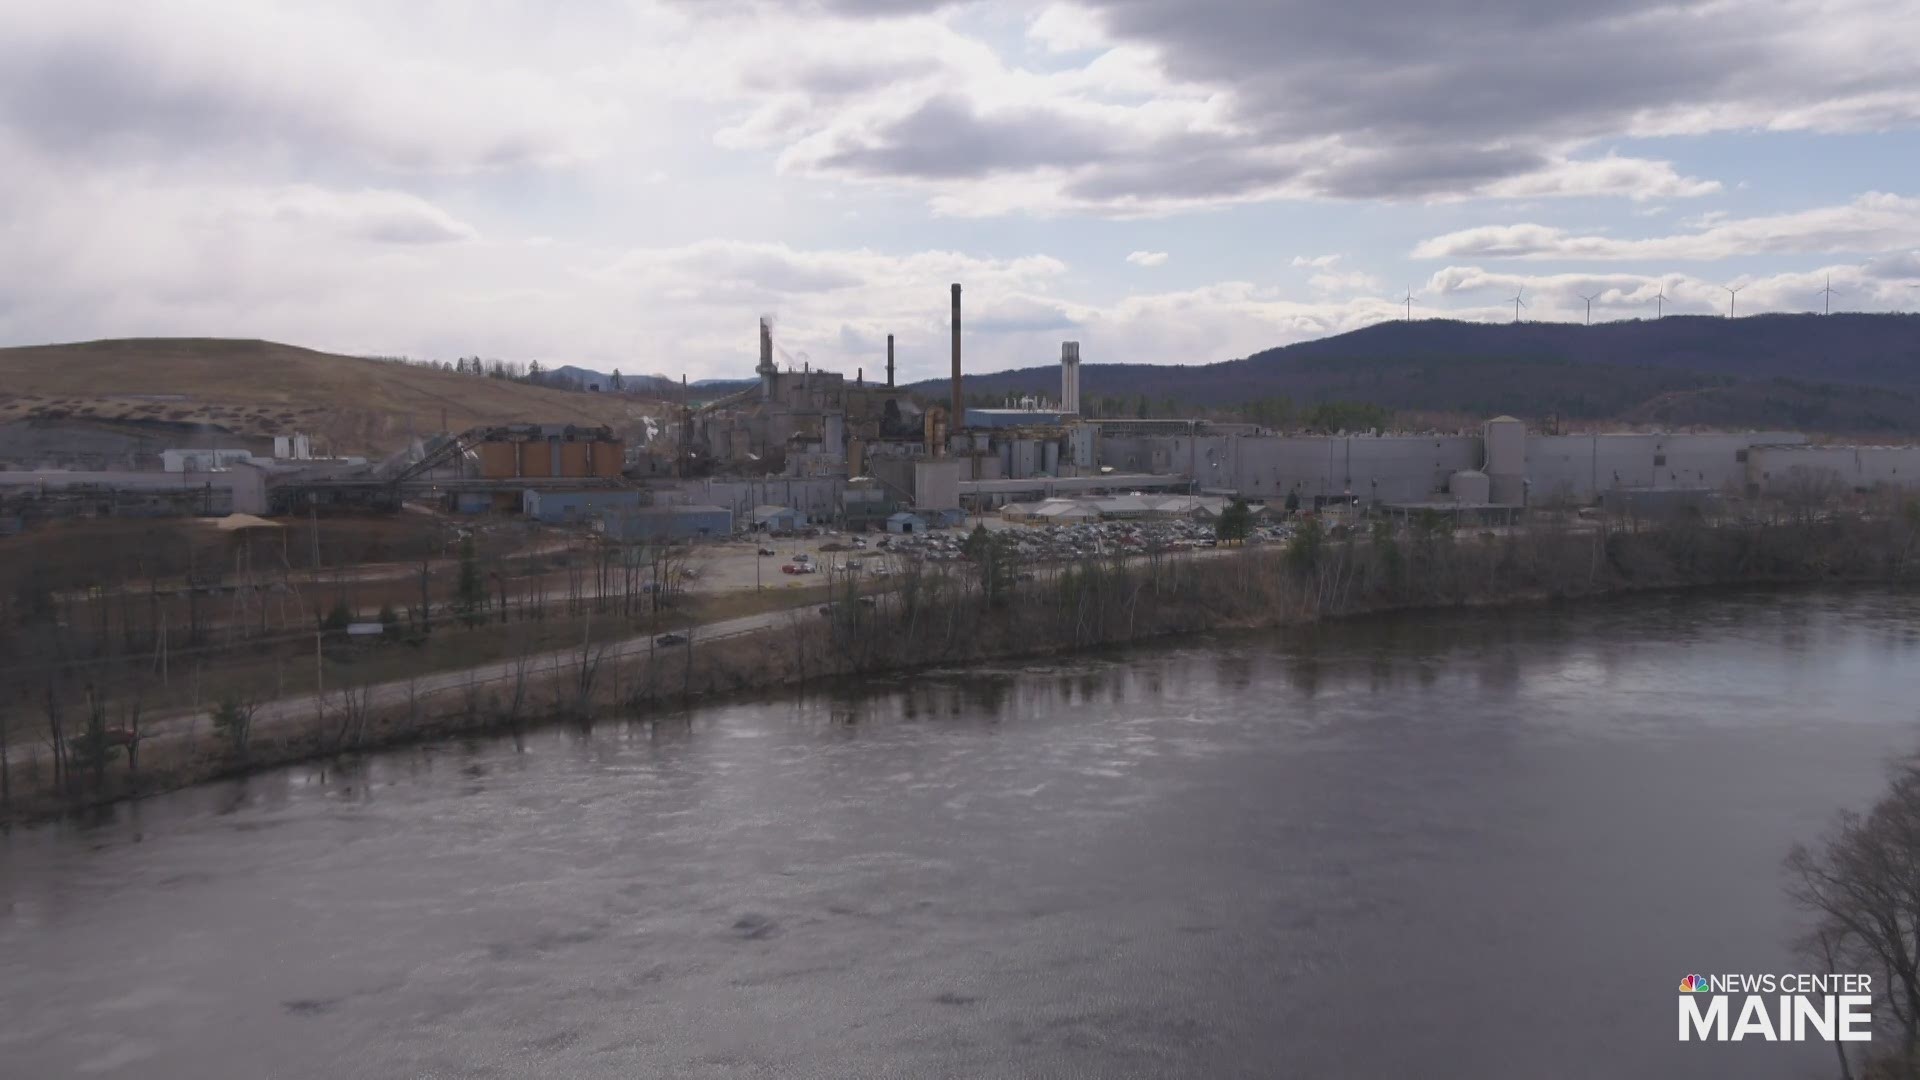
(993, 608)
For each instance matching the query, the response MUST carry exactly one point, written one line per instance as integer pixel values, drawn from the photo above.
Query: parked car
(667, 640)
(855, 564)
(768, 551)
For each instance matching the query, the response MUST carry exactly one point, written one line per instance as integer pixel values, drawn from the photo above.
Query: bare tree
(6, 763)
(355, 702)
(517, 677)
(1806, 492)
(56, 730)
(1862, 887)
(585, 670)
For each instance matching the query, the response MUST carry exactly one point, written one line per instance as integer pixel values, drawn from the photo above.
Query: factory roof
(688, 508)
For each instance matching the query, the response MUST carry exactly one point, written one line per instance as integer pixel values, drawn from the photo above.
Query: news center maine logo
(1776, 1008)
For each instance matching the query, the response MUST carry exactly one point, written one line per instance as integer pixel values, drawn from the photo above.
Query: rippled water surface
(1473, 844)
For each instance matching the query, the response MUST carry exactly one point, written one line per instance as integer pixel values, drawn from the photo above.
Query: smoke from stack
(956, 419)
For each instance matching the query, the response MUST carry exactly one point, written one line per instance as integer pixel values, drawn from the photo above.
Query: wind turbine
(1589, 300)
(1518, 304)
(1409, 299)
(1828, 293)
(1660, 303)
(1732, 291)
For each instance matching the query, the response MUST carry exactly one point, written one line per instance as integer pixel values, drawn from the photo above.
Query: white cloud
(1207, 103)
(1352, 281)
(1874, 222)
(176, 80)
(1633, 178)
(578, 188)
(1068, 28)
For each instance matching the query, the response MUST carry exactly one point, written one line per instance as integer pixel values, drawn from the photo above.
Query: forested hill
(1850, 373)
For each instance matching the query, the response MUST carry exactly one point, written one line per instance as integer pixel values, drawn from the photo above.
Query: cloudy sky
(630, 184)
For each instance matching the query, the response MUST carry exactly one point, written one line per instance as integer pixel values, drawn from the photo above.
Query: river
(1478, 844)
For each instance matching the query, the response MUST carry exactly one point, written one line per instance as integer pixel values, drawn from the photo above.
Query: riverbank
(948, 614)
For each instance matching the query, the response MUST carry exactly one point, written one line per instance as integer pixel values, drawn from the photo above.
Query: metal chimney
(957, 417)
(889, 361)
(1070, 376)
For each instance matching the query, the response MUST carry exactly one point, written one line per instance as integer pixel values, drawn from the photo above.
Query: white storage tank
(1470, 486)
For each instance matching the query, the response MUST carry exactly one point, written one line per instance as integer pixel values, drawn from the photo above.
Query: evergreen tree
(618, 385)
(1235, 522)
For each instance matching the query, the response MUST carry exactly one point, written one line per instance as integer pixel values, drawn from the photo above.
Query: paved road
(389, 694)
(395, 693)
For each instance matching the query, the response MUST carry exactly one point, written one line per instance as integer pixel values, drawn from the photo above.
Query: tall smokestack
(956, 420)
(1070, 376)
(889, 361)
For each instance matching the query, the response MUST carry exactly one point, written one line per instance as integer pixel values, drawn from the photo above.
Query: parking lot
(734, 564)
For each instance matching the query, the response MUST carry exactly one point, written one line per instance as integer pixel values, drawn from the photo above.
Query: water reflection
(1195, 858)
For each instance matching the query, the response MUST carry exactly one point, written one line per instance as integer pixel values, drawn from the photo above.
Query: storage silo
(1504, 440)
(498, 460)
(536, 459)
(609, 457)
(1470, 486)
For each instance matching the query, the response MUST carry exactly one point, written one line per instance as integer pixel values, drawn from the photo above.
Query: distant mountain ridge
(1845, 373)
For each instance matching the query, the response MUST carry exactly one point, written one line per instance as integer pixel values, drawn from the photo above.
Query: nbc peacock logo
(1694, 984)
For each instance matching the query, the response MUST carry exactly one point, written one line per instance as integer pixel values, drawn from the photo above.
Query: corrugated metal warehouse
(668, 523)
(562, 507)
